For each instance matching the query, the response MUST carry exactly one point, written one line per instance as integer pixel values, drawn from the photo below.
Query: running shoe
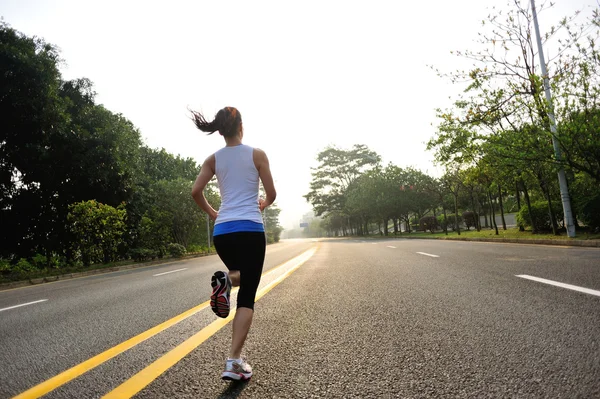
(219, 299)
(236, 370)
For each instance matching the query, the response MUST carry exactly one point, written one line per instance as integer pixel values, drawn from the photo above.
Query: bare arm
(264, 172)
(206, 173)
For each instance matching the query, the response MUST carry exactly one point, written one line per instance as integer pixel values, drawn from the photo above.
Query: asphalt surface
(359, 319)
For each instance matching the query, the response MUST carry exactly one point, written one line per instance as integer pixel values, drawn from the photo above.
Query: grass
(52, 273)
(512, 233)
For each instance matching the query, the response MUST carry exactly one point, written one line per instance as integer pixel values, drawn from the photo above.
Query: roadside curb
(68, 276)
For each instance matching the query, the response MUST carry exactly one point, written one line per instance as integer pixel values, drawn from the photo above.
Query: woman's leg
(253, 251)
(234, 276)
(241, 325)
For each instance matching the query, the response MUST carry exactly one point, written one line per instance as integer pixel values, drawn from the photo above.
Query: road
(381, 318)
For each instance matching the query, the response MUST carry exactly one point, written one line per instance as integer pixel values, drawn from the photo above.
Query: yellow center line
(75, 371)
(143, 378)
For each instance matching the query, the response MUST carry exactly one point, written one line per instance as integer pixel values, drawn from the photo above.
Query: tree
(336, 171)
(271, 222)
(32, 114)
(96, 230)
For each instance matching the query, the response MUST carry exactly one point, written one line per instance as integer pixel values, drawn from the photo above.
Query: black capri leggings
(243, 251)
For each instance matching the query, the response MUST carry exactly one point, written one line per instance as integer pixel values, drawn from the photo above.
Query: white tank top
(238, 183)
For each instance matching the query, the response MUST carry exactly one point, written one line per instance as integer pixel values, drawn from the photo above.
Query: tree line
(494, 143)
(77, 184)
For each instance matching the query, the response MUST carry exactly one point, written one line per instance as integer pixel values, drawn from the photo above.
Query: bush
(142, 254)
(5, 266)
(451, 221)
(39, 261)
(194, 248)
(441, 222)
(57, 262)
(23, 266)
(470, 219)
(540, 214)
(428, 223)
(176, 250)
(589, 212)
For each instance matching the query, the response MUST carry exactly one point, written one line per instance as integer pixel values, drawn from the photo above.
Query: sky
(304, 74)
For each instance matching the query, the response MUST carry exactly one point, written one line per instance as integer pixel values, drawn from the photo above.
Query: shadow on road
(234, 390)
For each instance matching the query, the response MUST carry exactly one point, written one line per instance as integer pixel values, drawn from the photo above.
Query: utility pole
(207, 224)
(208, 231)
(562, 179)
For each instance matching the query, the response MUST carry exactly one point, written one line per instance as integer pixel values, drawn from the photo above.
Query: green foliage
(58, 148)
(5, 266)
(142, 254)
(589, 211)
(499, 128)
(195, 248)
(176, 214)
(428, 223)
(442, 223)
(450, 219)
(96, 231)
(176, 250)
(337, 169)
(541, 215)
(39, 261)
(23, 266)
(470, 219)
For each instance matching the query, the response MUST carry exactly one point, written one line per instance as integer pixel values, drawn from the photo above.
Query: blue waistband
(236, 226)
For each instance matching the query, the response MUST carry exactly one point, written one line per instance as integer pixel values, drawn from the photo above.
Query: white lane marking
(23, 304)
(172, 271)
(426, 254)
(390, 246)
(558, 284)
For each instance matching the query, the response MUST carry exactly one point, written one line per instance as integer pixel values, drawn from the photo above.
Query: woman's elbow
(196, 193)
(273, 195)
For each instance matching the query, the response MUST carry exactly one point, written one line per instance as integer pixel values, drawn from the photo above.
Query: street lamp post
(562, 180)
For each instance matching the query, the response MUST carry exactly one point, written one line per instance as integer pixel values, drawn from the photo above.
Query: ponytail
(202, 124)
(228, 121)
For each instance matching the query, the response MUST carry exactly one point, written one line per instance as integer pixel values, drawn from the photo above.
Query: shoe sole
(219, 299)
(231, 376)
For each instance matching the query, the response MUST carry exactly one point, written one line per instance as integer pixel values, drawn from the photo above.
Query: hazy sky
(304, 74)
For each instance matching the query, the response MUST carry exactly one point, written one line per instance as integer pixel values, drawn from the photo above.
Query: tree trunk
(445, 221)
(521, 227)
(485, 216)
(474, 211)
(501, 207)
(385, 227)
(395, 226)
(478, 213)
(552, 215)
(456, 213)
(493, 213)
(546, 192)
(528, 203)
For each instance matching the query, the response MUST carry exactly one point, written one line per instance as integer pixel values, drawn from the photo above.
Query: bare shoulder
(260, 158)
(259, 155)
(259, 152)
(210, 162)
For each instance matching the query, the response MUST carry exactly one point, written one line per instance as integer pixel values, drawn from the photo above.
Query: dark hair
(228, 121)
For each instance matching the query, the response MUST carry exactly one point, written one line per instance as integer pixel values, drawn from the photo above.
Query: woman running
(239, 234)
